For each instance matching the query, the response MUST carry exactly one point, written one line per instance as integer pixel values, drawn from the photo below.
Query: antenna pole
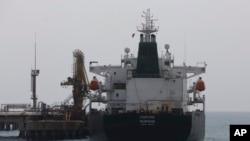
(185, 47)
(35, 50)
(34, 74)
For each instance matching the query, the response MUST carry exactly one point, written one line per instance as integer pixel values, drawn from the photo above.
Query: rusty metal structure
(80, 83)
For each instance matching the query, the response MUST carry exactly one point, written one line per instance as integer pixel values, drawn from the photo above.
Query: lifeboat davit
(200, 85)
(94, 84)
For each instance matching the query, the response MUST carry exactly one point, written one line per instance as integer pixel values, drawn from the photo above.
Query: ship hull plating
(149, 127)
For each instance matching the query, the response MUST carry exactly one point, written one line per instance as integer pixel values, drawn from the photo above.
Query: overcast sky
(215, 31)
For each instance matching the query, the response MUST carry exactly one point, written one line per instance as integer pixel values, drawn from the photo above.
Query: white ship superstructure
(155, 85)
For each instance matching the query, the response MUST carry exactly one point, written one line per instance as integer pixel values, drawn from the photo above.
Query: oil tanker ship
(148, 97)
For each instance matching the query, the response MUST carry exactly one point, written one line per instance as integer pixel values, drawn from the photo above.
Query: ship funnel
(147, 60)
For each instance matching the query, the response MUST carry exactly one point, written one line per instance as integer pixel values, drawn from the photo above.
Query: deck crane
(80, 84)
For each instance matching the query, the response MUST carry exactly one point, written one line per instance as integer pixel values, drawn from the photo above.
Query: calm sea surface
(217, 126)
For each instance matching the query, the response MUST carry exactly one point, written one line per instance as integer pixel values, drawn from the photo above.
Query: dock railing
(15, 107)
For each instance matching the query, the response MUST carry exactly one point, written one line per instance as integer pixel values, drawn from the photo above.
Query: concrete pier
(35, 126)
(53, 129)
(15, 120)
(7, 126)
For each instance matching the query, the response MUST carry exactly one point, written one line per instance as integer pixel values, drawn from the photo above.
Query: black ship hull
(158, 127)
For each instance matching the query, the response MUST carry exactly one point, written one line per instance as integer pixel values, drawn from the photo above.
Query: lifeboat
(200, 85)
(94, 84)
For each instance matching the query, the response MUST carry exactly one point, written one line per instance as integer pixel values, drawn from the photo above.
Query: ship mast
(148, 27)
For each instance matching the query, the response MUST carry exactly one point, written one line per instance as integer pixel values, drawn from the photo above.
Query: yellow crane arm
(80, 83)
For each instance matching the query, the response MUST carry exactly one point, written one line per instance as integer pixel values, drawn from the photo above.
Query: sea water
(217, 126)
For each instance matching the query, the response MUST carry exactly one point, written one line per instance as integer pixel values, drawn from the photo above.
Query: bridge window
(119, 85)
